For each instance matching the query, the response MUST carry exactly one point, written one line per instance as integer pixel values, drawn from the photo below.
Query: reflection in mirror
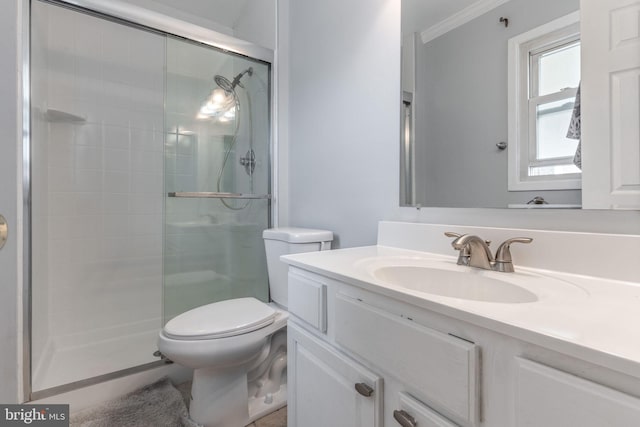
(476, 133)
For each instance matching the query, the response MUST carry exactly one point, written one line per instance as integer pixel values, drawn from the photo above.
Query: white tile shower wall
(202, 237)
(40, 224)
(103, 188)
(191, 164)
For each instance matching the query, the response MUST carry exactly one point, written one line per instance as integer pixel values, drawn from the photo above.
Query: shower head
(223, 101)
(229, 86)
(223, 83)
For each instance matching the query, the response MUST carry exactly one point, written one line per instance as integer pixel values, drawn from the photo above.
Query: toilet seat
(220, 320)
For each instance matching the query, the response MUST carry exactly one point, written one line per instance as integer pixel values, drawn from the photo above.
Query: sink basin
(444, 278)
(454, 284)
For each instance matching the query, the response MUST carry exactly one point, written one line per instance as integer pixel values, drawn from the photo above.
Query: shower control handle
(249, 162)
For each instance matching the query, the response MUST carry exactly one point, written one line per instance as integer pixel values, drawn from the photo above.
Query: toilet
(237, 347)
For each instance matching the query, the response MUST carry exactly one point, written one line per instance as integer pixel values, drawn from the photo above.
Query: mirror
(458, 148)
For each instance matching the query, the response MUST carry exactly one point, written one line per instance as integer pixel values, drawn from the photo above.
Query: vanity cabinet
(341, 350)
(437, 370)
(552, 398)
(330, 388)
(442, 370)
(307, 299)
(412, 412)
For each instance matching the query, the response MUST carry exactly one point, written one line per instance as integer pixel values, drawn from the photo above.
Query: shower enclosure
(150, 183)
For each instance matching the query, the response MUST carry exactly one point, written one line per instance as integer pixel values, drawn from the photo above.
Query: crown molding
(460, 18)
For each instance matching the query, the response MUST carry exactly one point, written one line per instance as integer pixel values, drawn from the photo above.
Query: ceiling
(418, 15)
(223, 12)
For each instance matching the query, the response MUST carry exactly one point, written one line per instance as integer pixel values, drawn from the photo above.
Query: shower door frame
(137, 17)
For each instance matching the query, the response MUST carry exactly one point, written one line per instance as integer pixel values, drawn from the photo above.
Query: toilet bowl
(222, 342)
(237, 347)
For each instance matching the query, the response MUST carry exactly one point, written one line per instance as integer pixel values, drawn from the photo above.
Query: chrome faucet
(475, 252)
(465, 255)
(480, 255)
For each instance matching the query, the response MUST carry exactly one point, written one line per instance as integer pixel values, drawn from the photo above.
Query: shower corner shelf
(59, 116)
(216, 195)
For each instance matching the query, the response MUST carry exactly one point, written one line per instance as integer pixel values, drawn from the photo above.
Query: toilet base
(219, 398)
(259, 406)
(268, 380)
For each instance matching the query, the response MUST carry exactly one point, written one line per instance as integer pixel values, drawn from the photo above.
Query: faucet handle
(463, 256)
(504, 262)
(456, 235)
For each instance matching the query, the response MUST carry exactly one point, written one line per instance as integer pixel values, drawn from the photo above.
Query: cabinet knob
(364, 389)
(404, 419)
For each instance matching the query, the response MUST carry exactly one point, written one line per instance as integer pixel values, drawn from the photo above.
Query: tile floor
(275, 419)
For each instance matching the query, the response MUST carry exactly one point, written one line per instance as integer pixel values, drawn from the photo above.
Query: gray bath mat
(157, 405)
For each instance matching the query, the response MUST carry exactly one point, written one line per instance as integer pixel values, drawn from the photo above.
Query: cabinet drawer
(308, 300)
(437, 368)
(548, 397)
(422, 415)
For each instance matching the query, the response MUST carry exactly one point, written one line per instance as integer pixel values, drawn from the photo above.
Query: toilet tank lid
(297, 235)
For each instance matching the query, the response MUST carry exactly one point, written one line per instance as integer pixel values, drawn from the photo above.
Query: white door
(610, 104)
(322, 386)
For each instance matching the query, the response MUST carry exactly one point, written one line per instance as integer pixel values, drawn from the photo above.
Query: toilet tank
(285, 241)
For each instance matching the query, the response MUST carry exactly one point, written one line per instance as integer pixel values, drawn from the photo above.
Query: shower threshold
(73, 367)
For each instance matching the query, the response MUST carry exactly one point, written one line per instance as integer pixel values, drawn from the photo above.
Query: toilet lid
(221, 319)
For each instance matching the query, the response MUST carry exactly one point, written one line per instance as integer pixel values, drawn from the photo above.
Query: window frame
(522, 121)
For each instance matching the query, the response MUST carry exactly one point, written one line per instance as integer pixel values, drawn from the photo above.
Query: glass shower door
(149, 189)
(97, 101)
(216, 176)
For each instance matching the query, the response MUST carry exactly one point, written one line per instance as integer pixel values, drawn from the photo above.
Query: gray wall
(343, 168)
(344, 115)
(257, 24)
(461, 109)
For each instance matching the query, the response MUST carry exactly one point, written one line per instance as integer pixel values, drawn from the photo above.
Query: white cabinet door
(413, 412)
(610, 104)
(441, 370)
(322, 386)
(551, 398)
(308, 300)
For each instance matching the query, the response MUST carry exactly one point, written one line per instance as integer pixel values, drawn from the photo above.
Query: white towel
(575, 130)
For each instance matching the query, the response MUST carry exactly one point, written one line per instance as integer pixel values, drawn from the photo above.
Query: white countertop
(600, 323)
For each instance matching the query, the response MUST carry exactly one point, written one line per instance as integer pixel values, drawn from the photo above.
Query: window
(544, 75)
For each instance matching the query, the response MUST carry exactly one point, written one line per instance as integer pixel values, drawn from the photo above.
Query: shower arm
(236, 79)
